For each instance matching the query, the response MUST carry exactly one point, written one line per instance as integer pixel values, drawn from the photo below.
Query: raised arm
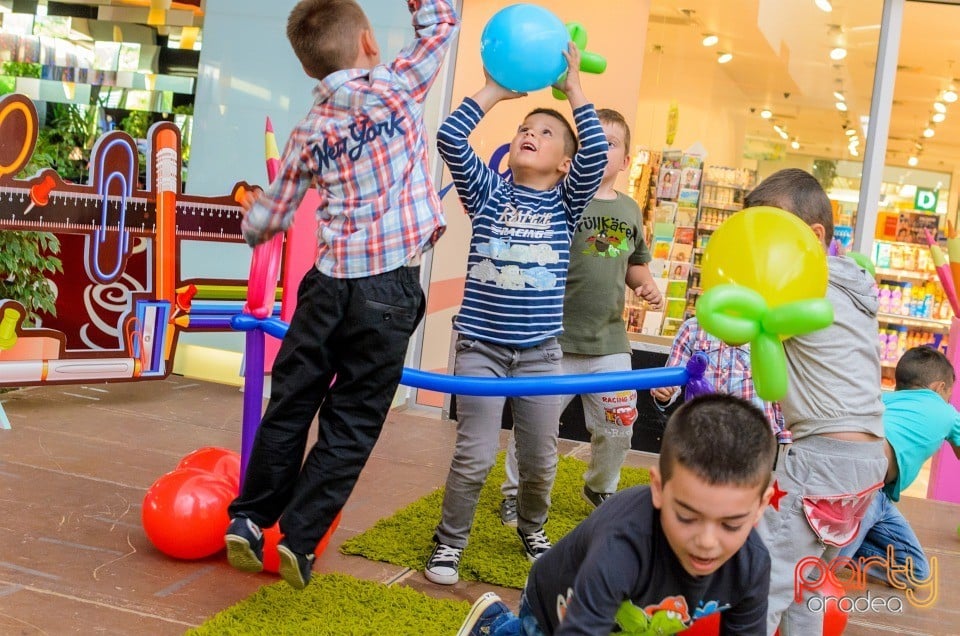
(586, 171)
(473, 180)
(434, 23)
(273, 211)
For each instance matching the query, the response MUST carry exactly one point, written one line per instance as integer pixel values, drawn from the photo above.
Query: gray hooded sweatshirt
(834, 374)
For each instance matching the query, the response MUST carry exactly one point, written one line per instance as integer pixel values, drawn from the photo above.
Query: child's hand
(664, 393)
(650, 293)
(492, 92)
(248, 198)
(570, 82)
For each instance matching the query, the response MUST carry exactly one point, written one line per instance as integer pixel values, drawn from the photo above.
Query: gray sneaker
(508, 512)
(594, 498)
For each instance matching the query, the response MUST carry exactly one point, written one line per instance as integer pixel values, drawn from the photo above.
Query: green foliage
(825, 171)
(21, 69)
(136, 124)
(64, 143)
(25, 260)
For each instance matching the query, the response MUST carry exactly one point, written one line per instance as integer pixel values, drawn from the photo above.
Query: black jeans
(357, 330)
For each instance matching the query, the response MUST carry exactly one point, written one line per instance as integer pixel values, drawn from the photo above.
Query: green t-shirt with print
(608, 238)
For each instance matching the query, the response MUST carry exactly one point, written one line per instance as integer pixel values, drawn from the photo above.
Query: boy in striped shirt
(512, 307)
(363, 147)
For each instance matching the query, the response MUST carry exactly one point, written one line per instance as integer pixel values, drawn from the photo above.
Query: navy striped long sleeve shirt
(520, 247)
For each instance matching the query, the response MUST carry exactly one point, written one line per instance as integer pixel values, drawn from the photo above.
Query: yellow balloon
(769, 250)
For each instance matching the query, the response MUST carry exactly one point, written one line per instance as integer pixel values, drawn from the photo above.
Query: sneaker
(244, 545)
(484, 616)
(443, 566)
(594, 498)
(508, 512)
(294, 567)
(534, 543)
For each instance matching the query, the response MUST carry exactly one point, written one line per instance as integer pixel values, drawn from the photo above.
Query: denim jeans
(356, 329)
(883, 526)
(535, 423)
(525, 624)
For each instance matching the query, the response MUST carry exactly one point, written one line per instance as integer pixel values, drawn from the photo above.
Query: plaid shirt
(728, 369)
(364, 147)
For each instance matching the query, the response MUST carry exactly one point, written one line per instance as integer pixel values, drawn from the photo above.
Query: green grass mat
(494, 554)
(337, 605)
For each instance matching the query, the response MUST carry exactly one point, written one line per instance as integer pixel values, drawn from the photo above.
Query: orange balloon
(272, 536)
(184, 513)
(769, 250)
(219, 461)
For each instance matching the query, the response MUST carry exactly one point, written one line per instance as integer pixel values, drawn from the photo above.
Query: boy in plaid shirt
(728, 370)
(363, 146)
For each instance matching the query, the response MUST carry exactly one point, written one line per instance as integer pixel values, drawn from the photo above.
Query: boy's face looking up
(617, 156)
(540, 152)
(705, 524)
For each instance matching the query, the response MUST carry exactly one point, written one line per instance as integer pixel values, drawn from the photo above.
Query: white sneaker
(443, 566)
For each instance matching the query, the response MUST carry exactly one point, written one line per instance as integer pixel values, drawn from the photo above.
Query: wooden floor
(78, 460)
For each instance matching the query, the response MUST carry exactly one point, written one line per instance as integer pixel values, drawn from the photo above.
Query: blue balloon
(638, 379)
(522, 47)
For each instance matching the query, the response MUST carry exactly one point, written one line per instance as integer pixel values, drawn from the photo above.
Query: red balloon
(834, 618)
(185, 513)
(271, 536)
(219, 461)
(709, 625)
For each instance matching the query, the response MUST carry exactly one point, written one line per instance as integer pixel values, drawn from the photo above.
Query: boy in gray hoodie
(836, 463)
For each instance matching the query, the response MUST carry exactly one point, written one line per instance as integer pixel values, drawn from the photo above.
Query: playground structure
(122, 302)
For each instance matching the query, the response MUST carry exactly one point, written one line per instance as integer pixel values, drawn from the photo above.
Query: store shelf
(709, 227)
(722, 206)
(913, 321)
(884, 272)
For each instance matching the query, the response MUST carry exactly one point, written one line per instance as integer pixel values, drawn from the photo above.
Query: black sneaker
(244, 545)
(294, 567)
(443, 566)
(535, 544)
(594, 498)
(508, 512)
(484, 616)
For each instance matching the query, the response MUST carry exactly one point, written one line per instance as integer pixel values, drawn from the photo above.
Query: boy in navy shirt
(655, 559)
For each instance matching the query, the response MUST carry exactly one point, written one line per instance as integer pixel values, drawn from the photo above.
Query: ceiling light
(853, 151)
(912, 161)
(839, 96)
(795, 144)
(723, 58)
(824, 5)
(838, 53)
(842, 106)
(766, 114)
(950, 95)
(778, 128)
(928, 132)
(784, 135)
(710, 40)
(940, 107)
(851, 131)
(938, 117)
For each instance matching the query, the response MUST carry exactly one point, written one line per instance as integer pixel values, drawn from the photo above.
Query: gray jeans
(810, 470)
(608, 417)
(478, 436)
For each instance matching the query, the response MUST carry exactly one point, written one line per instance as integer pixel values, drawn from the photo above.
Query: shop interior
(729, 93)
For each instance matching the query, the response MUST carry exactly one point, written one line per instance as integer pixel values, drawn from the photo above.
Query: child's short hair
(325, 34)
(920, 367)
(610, 116)
(722, 439)
(796, 191)
(570, 142)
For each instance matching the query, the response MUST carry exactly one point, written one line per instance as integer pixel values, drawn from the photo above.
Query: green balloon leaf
(589, 62)
(863, 261)
(732, 313)
(799, 318)
(768, 363)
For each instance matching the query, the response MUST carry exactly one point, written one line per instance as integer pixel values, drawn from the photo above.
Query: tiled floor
(78, 460)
